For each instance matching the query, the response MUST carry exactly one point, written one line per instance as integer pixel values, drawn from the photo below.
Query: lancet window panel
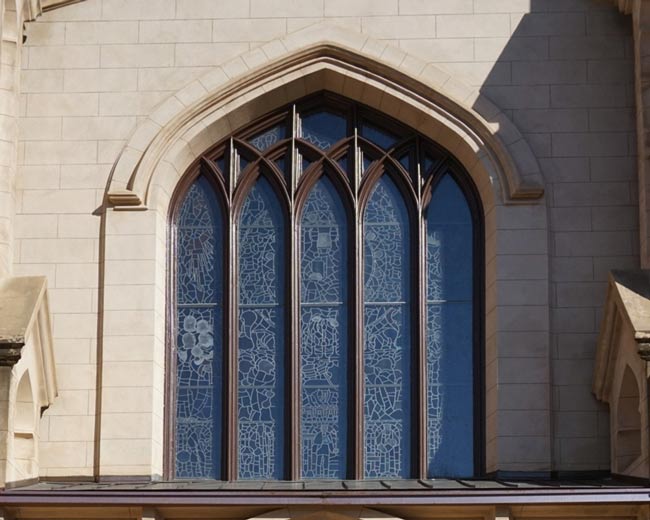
(325, 304)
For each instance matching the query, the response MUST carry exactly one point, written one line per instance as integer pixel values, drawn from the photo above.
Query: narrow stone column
(641, 27)
(9, 90)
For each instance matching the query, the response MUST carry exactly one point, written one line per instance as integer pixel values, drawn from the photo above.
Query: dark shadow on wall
(565, 78)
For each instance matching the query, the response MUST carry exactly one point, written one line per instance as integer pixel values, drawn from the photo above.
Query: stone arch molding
(324, 57)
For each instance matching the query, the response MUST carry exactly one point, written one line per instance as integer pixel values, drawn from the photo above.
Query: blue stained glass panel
(261, 335)
(387, 344)
(323, 332)
(268, 138)
(323, 129)
(199, 348)
(450, 391)
(379, 136)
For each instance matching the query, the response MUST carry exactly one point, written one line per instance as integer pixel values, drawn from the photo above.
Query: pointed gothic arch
(478, 135)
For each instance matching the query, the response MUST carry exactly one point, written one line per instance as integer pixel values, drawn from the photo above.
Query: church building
(324, 259)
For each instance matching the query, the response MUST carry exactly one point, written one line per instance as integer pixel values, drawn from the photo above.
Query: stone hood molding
(323, 56)
(621, 371)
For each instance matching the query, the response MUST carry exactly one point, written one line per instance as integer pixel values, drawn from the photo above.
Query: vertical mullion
(357, 312)
(231, 329)
(421, 350)
(293, 335)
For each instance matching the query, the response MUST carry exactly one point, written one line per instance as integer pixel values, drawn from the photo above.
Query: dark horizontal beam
(270, 498)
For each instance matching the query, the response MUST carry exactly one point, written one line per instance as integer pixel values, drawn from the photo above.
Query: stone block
(588, 96)
(472, 26)
(567, 269)
(524, 422)
(61, 201)
(140, 55)
(425, 7)
(548, 24)
(343, 8)
(444, 49)
(79, 226)
(206, 54)
(79, 351)
(79, 176)
(522, 370)
(62, 454)
(45, 34)
(40, 128)
(581, 320)
(41, 80)
(168, 78)
(249, 29)
(127, 374)
(570, 218)
(548, 72)
(569, 120)
(216, 9)
(62, 105)
(129, 297)
(77, 275)
(176, 31)
(129, 103)
(89, 33)
(585, 47)
(64, 57)
(71, 428)
(399, 27)
(592, 194)
(523, 397)
(580, 294)
(516, 96)
(49, 250)
(35, 226)
(615, 218)
(533, 49)
(590, 144)
(98, 128)
(138, 9)
(522, 267)
(612, 119)
(502, 6)
(127, 425)
(100, 80)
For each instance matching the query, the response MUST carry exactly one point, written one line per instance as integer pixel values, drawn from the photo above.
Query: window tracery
(347, 341)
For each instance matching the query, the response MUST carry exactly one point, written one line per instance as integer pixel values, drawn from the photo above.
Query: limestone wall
(561, 70)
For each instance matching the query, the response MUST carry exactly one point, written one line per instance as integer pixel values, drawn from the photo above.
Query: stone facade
(108, 101)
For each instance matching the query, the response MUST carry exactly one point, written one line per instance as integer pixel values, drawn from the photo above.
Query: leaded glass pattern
(387, 343)
(323, 128)
(260, 374)
(268, 138)
(199, 367)
(324, 327)
(323, 334)
(449, 366)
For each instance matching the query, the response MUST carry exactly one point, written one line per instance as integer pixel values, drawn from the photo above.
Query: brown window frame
(231, 188)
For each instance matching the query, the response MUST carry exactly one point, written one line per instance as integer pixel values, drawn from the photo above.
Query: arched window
(326, 304)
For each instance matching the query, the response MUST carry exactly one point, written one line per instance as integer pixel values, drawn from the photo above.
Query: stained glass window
(199, 349)
(261, 335)
(450, 391)
(323, 334)
(387, 345)
(305, 336)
